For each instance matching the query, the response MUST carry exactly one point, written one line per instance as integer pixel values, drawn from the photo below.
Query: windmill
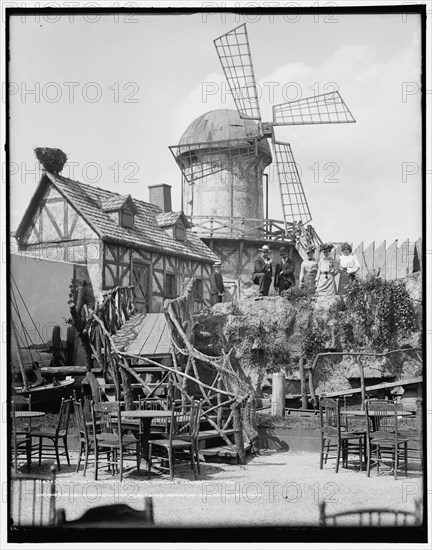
(199, 160)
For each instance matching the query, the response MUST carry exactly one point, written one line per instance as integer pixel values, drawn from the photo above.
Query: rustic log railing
(227, 382)
(226, 392)
(358, 355)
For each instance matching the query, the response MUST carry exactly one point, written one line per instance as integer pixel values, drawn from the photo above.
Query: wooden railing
(254, 228)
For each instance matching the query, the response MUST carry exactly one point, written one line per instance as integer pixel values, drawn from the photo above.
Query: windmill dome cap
(222, 125)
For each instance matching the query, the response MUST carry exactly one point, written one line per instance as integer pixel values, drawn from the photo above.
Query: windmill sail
(235, 57)
(199, 160)
(294, 203)
(322, 109)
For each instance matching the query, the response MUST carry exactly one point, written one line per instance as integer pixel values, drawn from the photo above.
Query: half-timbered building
(123, 241)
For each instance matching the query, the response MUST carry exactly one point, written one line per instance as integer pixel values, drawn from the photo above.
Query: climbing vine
(375, 313)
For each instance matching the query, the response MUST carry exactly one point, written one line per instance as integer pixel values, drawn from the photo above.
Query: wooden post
(219, 403)
(419, 414)
(127, 387)
(303, 385)
(278, 394)
(21, 366)
(362, 382)
(238, 432)
(312, 389)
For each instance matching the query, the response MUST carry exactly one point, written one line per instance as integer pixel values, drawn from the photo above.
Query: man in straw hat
(284, 272)
(263, 271)
(217, 288)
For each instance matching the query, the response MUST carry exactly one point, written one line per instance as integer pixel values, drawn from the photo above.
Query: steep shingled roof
(146, 233)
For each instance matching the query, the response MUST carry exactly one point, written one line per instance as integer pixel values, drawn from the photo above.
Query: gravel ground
(273, 489)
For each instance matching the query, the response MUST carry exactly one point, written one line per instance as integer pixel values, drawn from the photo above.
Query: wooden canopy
(146, 335)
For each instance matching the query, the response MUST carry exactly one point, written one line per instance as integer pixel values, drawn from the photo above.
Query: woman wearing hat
(349, 266)
(328, 268)
(308, 271)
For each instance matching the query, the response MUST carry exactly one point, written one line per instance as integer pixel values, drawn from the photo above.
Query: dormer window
(121, 209)
(127, 219)
(175, 224)
(180, 232)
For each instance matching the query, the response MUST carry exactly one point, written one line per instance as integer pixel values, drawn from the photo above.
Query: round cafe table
(374, 415)
(145, 417)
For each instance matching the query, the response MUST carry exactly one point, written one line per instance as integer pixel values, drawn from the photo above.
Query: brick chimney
(160, 195)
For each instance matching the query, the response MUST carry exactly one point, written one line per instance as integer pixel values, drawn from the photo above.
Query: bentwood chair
(85, 431)
(21, 441)
(385, 444)
(334, 438)
(53, 443)
(159, 426)
(22, 404)
(33, 499)
(109, 438)
(111, 516)
(414, 435)
(370, 517)
(181, 444)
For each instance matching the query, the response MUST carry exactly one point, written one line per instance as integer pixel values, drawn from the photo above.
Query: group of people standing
(316, 276)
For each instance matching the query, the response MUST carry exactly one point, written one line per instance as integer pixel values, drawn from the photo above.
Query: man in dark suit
(216, 284)
(262, 274)
(284, 272)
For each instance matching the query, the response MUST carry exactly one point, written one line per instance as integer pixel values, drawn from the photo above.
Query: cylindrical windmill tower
(227, 202)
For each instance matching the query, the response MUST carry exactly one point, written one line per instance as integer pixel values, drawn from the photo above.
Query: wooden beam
(382, 386)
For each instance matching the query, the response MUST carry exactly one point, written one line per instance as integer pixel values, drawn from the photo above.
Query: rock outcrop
(268, 335)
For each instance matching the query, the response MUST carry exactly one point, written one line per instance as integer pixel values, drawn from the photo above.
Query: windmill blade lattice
(327, 108)
(295, 205)
(235, 57)
(198, 160)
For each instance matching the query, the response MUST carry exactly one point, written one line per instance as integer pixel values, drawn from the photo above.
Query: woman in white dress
(308, 271)
(349, 266)
(328, 268)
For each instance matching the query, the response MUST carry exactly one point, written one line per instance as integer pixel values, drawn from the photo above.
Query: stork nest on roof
(52, 160)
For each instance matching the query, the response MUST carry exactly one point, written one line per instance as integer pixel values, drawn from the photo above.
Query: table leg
(145, 436)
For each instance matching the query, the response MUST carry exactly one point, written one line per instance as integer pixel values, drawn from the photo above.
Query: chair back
(384, 414)
(116, 515)
(152, 404)
(106, 418)
(184, 420)
(64, 415)
(329, 410)
(33, 499)
(377, 517)
(22, 403)
(155, 404)
(14, 425)
(81, 421)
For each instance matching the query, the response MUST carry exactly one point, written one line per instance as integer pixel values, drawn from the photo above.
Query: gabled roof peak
(117, 202)
(166, 219)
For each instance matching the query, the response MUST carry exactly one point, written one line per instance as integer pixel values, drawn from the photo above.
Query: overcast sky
(116, 92)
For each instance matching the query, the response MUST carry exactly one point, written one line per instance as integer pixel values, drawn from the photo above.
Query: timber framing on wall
(66, 220)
